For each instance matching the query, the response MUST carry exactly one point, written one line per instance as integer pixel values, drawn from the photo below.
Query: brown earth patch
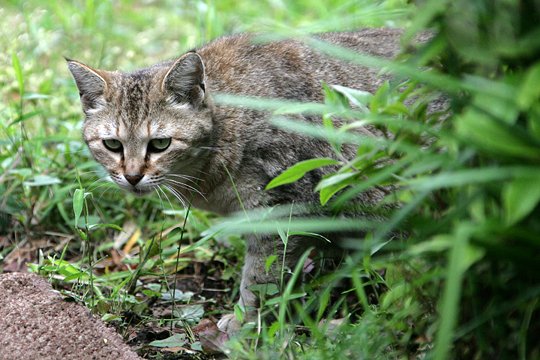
(36, 323)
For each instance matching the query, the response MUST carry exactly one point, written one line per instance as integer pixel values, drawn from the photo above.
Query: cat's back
(242, 64)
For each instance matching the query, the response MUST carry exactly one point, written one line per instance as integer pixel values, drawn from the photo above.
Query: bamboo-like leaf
(78, 202)
(495, 136)
(335, 179)
(177, 340)
(42, 180)
(18, 73)
(520, 197)
(530, 91)
(298, 170)
(460, 257)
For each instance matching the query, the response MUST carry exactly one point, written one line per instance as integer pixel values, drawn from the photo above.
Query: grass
(464, 281)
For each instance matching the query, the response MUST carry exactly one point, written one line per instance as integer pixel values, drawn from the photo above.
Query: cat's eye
(159, 145)
(113, 145)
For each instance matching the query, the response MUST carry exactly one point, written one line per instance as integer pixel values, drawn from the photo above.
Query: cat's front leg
(254, 272)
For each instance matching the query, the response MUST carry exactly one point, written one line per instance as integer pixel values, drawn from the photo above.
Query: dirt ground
(36, 323)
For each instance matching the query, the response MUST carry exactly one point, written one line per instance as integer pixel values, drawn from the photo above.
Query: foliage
(462, 283)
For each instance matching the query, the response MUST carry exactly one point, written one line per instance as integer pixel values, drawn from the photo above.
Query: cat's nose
(133, 179)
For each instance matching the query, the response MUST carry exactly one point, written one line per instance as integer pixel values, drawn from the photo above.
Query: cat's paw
(229, 324)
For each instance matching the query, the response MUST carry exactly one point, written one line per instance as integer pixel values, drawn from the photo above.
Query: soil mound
(36, 323)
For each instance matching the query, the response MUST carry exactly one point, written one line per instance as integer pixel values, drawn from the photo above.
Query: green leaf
(78, 202)
(472, 176)
(111, 317)
(175, 233)
(396, 109)
(24, 117)
(35, 96)
(358, 98)
(380, 98)
(179, 295)
(397, 293)
(269, 261)
(77, 276)
(238, 313)
(298, 170)
(502, 109)
(190, 313)
(495, 136)
(530, 91)
(310, 234)
(430, 10)
(335, 179)
(95, 225)
(42, 180)
(177, 340)
(534, 121)
(18, 72)
(285, 299)
(89, 222)
(335, 98)
(520, 197)
(151, 293)
(461, 256)
(329, 189)
(152, 248)
(22, 173)
(268, 289)
(278, 106)
(82, 234)
(438, 243)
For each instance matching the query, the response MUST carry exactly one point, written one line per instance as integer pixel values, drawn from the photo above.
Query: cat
(159, 126)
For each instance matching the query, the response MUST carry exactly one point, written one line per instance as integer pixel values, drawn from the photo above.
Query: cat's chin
(140, 192)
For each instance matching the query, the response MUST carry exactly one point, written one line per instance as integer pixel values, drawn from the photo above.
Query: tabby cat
(158, 126)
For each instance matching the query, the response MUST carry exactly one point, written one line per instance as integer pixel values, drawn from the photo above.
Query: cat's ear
(92, 84)
(184, 81)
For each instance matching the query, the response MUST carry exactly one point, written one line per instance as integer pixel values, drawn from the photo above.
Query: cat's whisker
(158, 190)
(179, 196)
(88, 172)
(194, 182)
(185, 186)
(105, 180)
(176, 194)
(184, 176)
(193, 179)
(96, 173)
(169, 190)
(88, 175)
(179, 182)
(203, 172)
(166, 197)
(99, 186)
(104, 191)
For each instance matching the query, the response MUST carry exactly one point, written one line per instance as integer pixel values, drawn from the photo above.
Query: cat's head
(149, 127)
